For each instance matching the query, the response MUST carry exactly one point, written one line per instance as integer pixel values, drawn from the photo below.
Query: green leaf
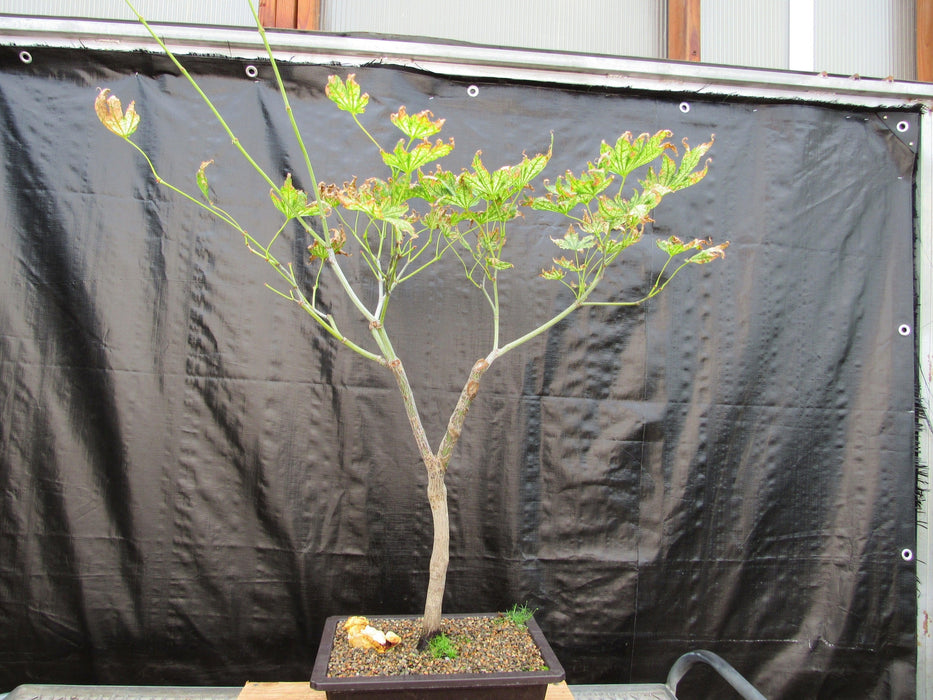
(410, 160)
(623, 214)
(496, 211)
(438, 217)
(497, 264)
(691, 160)
(317, 251)
(346, 94)
(530, 168)
(673, 176)
(443, 188)
(490, 240)
(375, 198)
(506, 182)
(201, 178)
(416, 126)
(487, 185)
(553, 274)
(320, 251)
(596, 224)
(434, 186)
(709, 254)
(570, 265)
(573, 241)
(570, 191)
(403, 225)
(611, 248)
(291, 201)
(584, 188)
(628, 155)
(111, 115)
(674, 246)
(555, 203)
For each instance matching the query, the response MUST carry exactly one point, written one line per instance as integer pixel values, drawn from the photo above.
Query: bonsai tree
(417, 213)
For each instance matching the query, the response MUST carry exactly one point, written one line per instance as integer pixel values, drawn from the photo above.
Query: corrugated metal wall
(217, 12)
(867, 37)
(615, 27)
(874, 38)
(744, 32)
(870, 37)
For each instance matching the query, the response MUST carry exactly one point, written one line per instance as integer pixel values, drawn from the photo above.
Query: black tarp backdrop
(193, 477)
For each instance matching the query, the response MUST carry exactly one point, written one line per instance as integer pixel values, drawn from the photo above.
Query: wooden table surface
(303, 691)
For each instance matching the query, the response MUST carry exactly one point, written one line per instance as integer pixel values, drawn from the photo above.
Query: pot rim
(320, 681)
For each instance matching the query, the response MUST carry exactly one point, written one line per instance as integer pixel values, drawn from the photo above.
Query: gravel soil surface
(484, 645)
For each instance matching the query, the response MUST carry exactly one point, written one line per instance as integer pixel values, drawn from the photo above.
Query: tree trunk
(440, 555)
(437, 497)
(436, 465)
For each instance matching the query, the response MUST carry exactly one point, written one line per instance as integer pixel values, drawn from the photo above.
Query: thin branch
(205, 98)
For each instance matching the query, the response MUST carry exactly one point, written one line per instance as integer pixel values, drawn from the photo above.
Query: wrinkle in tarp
(193, 477)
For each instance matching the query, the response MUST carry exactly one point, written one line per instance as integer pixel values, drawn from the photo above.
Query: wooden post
(924, 9)
(290, 14)
(267, 13)
(308, 16)
(683, 30)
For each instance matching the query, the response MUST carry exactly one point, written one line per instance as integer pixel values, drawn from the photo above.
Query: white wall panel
(744, 32)
(874, 38)
(867, 37)
(614, 27)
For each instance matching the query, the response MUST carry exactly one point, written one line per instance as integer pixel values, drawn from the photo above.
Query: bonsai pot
(514, 685)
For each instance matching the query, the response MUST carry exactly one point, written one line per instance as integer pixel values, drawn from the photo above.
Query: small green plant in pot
(416, 213)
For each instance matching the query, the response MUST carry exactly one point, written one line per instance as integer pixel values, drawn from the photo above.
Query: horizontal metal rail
(462, 59)
(121, 692)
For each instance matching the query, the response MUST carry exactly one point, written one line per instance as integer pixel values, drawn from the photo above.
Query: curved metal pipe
(720, 665)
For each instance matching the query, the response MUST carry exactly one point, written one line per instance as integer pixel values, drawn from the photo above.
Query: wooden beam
(285, 14)
(308, 16)
(924, 9)
(267, 13)
(290, 14)
(683, 30)
(302, 691)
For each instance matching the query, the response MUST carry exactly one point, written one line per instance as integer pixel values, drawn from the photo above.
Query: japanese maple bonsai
(412, 217)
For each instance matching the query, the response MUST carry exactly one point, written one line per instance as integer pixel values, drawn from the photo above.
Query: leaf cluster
(419, 211)
(605, 222)
(414, 216)
(411, 218)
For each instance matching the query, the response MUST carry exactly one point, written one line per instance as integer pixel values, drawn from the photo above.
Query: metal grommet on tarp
(25, 56)
(904, 128)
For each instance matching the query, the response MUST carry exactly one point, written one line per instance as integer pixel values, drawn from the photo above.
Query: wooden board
(303, 691)
(683, 30)
(290, 14)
